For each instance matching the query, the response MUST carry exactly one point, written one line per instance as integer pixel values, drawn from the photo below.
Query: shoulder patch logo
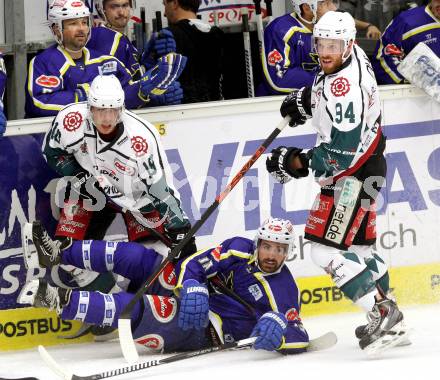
(48, 81)
(139, 145)
(274, 57)
(340, 87)
(72, 121)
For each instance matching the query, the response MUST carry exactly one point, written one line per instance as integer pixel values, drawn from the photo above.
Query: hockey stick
(19, 378)
(320, 343)
(54, 366)
(158, 21)
(247, 52)
(124, 322)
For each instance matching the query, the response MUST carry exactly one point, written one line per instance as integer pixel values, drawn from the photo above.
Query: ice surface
(345, 361)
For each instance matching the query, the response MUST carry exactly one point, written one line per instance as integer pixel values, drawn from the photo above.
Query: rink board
(206, 145)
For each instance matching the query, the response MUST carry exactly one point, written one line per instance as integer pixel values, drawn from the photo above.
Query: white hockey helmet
(99, 6)
(61, 10)
(279, 231)
(106, 92)
(313, 4)
(336, 26)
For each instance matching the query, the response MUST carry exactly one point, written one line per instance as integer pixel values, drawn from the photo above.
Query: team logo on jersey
(255, 291)
(72, 121)
(340, 87)
(139, 145)
(163, 308)
(392, 49)
(84, 148)
(292, 315)
(216, 253)
(124, 168)
(151, 341)
(48, 81)
(274, 57)
(76, 4)
(168, 278)
(108, 68)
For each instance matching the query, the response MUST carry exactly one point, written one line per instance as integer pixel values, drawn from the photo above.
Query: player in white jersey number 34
(349, 165)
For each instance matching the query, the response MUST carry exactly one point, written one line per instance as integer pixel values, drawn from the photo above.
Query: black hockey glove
(176, 236)
(298, 106)
(278, 164)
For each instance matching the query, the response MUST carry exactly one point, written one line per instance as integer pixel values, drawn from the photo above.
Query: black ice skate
(39, 293)
(384, 330)
(47, 251)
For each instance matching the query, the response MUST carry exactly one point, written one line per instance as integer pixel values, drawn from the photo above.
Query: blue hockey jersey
(233, 261)
(110, 42)
(404, 33)
(289, 62)
(54, 76)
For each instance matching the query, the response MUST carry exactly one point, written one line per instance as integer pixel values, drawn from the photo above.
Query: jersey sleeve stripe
(115, 44)
(420, 29)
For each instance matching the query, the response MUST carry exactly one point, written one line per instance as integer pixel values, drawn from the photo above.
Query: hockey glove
(269, 331)
(194, 306)
(173, 95)
(2, 122)
(165, 43)
(82, 92)
(158, 45)
(176, 236)
(157, 80)
(298, 106)
(279, 164)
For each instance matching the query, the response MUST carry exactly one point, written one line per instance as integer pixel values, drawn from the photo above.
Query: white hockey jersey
(132, 169)
(346, 115)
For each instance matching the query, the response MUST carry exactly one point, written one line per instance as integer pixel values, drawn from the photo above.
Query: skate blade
(398, 336)
(29, 251)
(28, 293)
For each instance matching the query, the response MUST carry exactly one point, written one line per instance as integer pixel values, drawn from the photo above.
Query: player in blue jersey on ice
(199, 315)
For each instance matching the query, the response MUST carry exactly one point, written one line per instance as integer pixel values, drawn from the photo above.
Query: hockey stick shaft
(247, 53)
(124, 325)
(50, 361)
(159, 21)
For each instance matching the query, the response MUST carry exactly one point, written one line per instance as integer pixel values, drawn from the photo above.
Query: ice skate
(361, 331)
(44, 252)
(39, 293)
(384, 330)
